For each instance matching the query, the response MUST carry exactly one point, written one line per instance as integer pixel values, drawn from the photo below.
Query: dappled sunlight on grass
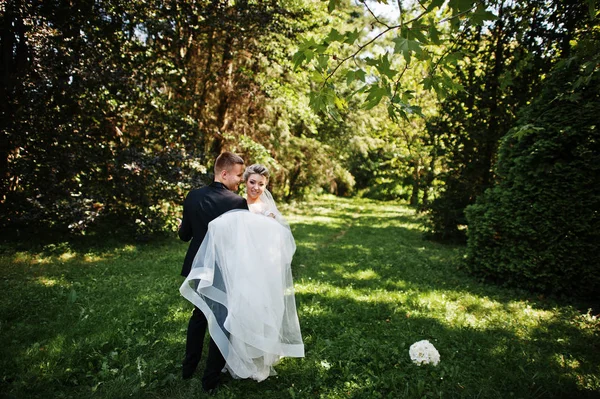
(411, 287)
(129, 248)
(66, 256)
(51, 282)
(92, 258)
(110, 322)
(461, 309)
(179, 313)
(368, 274)
(450, 308)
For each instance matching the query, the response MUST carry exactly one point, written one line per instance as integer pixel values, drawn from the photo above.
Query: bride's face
(255, 186)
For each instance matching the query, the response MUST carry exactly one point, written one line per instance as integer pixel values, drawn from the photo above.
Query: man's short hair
(226, 161)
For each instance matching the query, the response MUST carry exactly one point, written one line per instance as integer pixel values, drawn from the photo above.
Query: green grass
(107, 320)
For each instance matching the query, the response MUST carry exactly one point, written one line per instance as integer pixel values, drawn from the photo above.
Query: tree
(113, 110)
(419, 36)
(539, 227)
(502, 72)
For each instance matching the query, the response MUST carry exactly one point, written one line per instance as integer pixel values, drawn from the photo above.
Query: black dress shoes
(211, 387)
(187, 372)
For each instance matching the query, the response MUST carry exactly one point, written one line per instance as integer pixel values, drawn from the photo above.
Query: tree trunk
(496, 128)
(221, 122)
(13, 64)
(414, 197)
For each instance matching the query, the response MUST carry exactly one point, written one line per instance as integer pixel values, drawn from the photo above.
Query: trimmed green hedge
(539, 226)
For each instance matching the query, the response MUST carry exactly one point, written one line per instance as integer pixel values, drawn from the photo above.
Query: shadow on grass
(368, 343)
(73, 323)
(400, 258)
(113, 325)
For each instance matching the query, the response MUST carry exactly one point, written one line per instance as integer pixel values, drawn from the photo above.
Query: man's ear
(223, 174)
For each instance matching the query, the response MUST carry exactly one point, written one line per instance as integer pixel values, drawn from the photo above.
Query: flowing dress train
(241, 280)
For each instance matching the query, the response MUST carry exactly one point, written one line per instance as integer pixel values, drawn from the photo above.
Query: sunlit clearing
(313, 309)
(180, 314)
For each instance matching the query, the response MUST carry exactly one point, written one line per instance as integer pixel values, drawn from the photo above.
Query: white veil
(241, 280)
(271, 206)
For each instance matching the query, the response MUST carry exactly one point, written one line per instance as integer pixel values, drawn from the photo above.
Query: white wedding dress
(241, 280)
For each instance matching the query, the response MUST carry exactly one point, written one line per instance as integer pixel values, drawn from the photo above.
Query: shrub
(539, 226)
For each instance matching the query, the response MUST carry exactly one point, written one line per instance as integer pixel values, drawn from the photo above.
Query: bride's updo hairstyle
(256, 169)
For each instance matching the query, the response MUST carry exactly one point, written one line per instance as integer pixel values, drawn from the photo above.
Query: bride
(241, 280)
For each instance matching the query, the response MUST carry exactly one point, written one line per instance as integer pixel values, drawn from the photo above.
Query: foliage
(539, 227)
(416, 37)
(501, 73)
(114, 110)
(106, 320)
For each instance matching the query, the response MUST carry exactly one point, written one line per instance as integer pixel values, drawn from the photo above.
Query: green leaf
(393, 112)
(480, 15)
(506, 80)
(453, 57)
(416, 32)
(360, 75)
(350, 77)
(435, 82)
(374, 97)
(406, 47)
(592, 8)
(335, 36)
(351, 37)
(333, 4)
(340, 103)
(461, 5)
(298, 58)
(434, 4)
(317, 77)
(323, 61)
(434, 35)
(427, 83)
(316, 101)
(408, 95)
(309, 54)
(383, 67)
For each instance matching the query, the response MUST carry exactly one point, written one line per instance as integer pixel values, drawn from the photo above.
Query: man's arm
(242, 204)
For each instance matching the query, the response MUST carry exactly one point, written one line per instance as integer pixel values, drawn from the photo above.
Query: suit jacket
(202, 206)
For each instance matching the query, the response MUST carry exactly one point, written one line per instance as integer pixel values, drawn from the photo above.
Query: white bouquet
(423, 352)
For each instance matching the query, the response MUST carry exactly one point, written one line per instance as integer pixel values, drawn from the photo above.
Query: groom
(200, 207)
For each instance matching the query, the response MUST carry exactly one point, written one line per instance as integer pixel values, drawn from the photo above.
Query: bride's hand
(269, 214)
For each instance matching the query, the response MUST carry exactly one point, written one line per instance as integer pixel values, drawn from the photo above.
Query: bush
(539, 226)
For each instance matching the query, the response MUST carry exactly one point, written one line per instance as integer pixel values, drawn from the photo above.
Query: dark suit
(202, 206)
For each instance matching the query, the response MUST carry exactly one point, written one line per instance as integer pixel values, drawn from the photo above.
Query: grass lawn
(107, 321)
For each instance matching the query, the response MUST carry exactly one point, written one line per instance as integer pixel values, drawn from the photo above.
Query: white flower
(423, 352)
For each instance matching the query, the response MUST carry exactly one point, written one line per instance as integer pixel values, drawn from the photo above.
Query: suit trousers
(193, 351)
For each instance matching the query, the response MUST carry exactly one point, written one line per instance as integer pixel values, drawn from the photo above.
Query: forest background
(481, 114)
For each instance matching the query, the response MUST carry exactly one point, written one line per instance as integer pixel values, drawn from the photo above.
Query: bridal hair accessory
(423, 352)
